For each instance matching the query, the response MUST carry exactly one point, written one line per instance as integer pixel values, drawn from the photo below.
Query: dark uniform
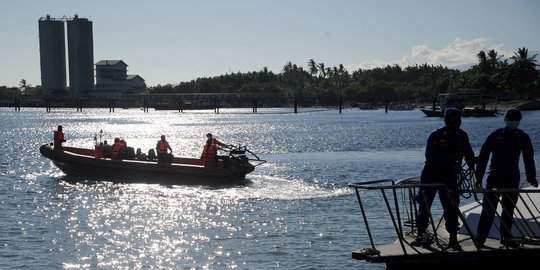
(445, 150)
(505, 146)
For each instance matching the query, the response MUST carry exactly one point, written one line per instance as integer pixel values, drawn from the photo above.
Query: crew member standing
(505, 145)
(162, 148)
(445, 150)
(209, 155)
(58, 138)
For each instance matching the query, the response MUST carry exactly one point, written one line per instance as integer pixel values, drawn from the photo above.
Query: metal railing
(400, 199)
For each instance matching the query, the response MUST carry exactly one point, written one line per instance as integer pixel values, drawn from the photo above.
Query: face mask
(512, 124)
(453, 124)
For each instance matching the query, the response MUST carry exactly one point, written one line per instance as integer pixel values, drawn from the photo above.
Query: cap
(209, 135)
(452, 112)
(513, 115)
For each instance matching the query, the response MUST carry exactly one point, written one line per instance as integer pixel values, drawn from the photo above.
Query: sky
(168, 42)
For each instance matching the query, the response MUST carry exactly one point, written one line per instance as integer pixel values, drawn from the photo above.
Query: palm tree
(522, 73)
(22, 85)
(328, 72)
(322, 70)
(288, 67)
(496, 72)
(522, 57)
(312, 65)
(493, 58)
(483, 64)
(342, 70)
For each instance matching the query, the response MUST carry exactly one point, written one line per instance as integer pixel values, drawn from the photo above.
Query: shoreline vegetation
(494, 79)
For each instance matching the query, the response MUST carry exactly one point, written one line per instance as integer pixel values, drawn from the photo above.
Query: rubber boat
(81, 162)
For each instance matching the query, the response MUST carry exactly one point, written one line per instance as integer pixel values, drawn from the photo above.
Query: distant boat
(168, 106)
(467, 112)
(529, 105)
(186, 105)
(464, 101)
(401, 107)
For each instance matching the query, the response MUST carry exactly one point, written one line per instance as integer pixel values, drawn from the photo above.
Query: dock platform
(400, 199)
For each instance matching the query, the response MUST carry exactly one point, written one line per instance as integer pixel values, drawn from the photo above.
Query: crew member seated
(139, 155)
(116, 148)
(151, 154)
(106, 149)
(99, 151)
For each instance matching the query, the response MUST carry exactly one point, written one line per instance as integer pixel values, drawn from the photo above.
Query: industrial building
(112, 79)
(52, 53)
(80, 56)
(111, 75)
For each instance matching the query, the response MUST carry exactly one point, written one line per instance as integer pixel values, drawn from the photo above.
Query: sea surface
(295, 212)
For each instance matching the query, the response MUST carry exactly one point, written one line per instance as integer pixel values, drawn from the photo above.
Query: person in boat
(116, 149)
(139, 155)
(58, 138)
(151, 154)
(162, 148)
(209, 154)
(98, 151)
(446, 147)
(505, 145)
(106, 148)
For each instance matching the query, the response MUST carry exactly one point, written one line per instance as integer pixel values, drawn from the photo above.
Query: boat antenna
(100, 137)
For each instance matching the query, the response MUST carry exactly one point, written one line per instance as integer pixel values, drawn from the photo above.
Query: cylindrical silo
(52, 54)
(81, 56)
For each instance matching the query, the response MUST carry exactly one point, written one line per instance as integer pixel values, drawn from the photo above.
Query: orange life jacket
(209, 153)
(58, 139)
(163, 146)
(98, 151)
(115, 149)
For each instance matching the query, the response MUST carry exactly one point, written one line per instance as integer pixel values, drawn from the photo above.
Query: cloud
(459, 53)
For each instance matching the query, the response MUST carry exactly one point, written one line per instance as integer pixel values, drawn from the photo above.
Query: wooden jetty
(173, 101)
(396, 251)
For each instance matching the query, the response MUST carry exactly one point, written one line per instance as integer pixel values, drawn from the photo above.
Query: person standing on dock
(505, 145)
(58, 138)
(445, 150)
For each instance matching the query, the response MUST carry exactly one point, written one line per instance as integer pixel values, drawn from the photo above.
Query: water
(295, 212)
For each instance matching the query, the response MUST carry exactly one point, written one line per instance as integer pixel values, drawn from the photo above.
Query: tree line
(515, 77)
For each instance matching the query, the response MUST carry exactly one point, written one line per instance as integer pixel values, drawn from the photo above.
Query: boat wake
(279, 188)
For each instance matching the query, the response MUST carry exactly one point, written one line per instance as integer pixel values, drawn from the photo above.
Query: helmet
(209, 135)
(513, 115)
(163, 137)
(452, 112)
